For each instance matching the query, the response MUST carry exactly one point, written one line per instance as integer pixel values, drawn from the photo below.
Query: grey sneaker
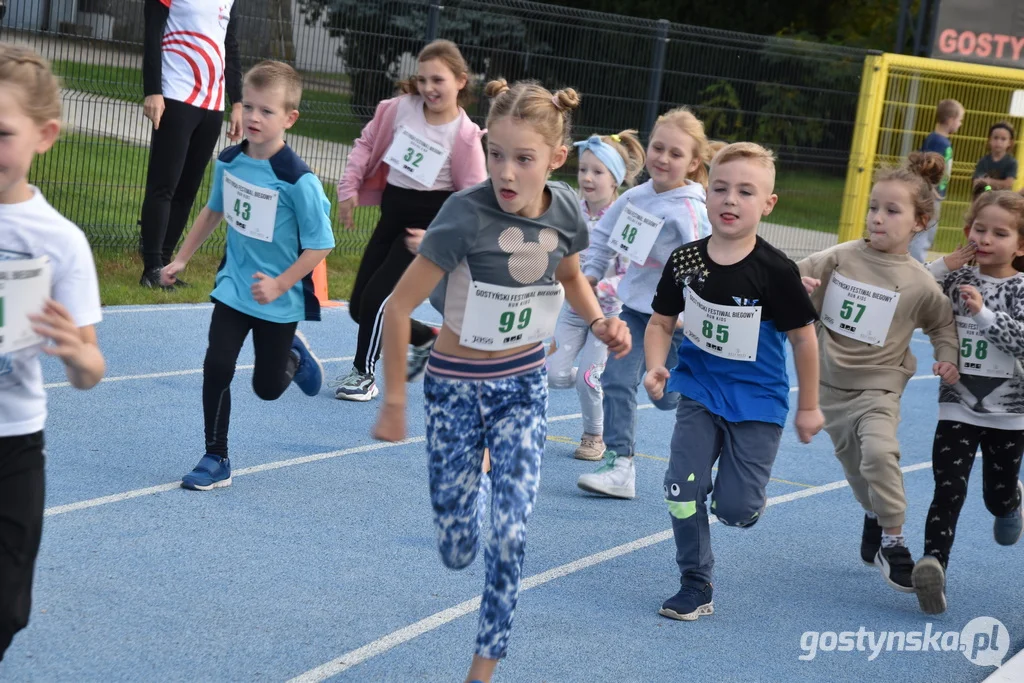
(930, 585)
(615, 478)
(356, 386)
(591, 448)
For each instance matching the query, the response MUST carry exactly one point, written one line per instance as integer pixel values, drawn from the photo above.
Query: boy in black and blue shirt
(741, 298)
(949, 116)
(279, 229)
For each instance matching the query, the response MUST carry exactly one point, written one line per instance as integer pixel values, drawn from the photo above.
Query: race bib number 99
(857, 310)
(725, 331)
(250, 209)
(500, 318)
(24, 288)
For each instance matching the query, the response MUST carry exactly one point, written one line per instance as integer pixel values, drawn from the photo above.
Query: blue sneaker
(689, 603)
(1007, 530)
(212, 472)
(309, 376)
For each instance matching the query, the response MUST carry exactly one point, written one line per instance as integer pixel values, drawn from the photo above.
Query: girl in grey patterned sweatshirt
(986, 407)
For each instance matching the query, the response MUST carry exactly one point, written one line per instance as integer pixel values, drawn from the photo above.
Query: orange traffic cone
(320, 286)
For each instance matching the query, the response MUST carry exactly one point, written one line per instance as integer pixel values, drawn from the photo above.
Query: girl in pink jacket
(419, 148)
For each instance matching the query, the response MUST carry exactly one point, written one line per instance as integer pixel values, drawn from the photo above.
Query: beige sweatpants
(862, 425)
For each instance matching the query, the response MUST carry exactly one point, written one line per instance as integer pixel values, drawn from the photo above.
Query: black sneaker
(870, 540)
(151, 279)
(897, 567)
(930, 585)
(689, 604)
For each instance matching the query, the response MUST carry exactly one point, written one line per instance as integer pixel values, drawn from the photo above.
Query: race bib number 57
(24, 288)
(857, 310)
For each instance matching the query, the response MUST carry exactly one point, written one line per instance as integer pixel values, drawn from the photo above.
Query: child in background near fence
(499, 254)
(949, 116)
(731, 376)
(645, 225)
(998, 168)
(605, 163)
(874, 297)
(65, 312)
(418, 149)
(986, 406)
(279, 229)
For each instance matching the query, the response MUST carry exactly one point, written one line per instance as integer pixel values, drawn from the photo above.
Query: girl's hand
(345, 210)
(654, 382)
(56, 324)
(413, 238)
(947, 371)
(961, 257)
(972, 299)
(810, 284)
(169, 273)
(615, 334)
(808, 423)
(266, 288)
(390, 423)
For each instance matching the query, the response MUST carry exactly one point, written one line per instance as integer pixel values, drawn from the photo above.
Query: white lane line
(163, 308)
(435, 621)
(174, 373)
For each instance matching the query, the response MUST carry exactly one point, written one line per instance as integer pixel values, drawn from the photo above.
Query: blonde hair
(632, 151)
(684, 119)
(271, 74)
(25, 68)
(947, 109)
(1009, 201)
(449, 53)
(550, 114)
(920, 173)
(746, 151)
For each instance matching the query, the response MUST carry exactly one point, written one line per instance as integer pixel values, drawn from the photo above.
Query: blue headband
(606, 154)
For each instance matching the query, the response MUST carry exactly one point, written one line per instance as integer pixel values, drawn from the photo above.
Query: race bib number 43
(416, 157)
(24, 288)
(500, 318)
(978, 356)
(634, 233)
(858, 311)
(725, 331)
(250, 209)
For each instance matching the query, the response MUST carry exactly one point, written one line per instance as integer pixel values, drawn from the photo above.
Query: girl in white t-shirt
(56, 278)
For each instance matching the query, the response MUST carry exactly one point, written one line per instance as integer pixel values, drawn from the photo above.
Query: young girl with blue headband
(605, 164)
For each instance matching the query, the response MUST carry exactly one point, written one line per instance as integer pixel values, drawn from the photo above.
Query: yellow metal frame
(876, 81)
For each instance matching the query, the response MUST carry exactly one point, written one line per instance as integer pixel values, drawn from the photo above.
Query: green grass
(808, 200)
(324, 115)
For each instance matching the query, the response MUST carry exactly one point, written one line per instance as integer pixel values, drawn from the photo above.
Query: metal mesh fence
(798, 98)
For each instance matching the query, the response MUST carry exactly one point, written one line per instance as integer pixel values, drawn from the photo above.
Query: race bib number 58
(978, 356)
(24, 288)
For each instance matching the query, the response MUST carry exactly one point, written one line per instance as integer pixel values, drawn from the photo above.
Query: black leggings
(385, 259)
(179, 152)
(274, 367)
(22, 487)
(956, 444)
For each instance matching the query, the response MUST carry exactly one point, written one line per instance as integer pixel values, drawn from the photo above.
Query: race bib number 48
(24, 288)
(416, 157)
(725, 331)
(500, 318)
(634, 233)
(858, 311)
(978, 356)
(250, 209)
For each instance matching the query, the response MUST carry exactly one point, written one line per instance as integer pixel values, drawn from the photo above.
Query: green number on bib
(965, 348)
(242, 209)
(419, 158)
(507, 320)
(723, 334)
(524, 318)
(408, 155)
(1, 311)
(707, 329)
(981, 349)
(846, 311)
(628, 234)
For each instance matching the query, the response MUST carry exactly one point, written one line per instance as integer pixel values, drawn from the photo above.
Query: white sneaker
(615, 478)
(355, 386)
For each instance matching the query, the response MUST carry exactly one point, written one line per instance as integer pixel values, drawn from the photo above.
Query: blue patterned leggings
(508, 416)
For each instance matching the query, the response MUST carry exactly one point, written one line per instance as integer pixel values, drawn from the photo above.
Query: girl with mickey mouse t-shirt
(501, 254)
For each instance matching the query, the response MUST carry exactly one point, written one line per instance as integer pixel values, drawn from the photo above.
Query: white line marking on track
(163, 308)
(435, 621)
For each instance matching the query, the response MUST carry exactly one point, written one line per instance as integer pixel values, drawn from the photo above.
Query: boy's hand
(413, 237)
(169, 273)
(654, 382)
(810, 284)
(947, 371)
(55, 323)
(808, 423)
(972, 299)
(390, 423)
(345, 210)
(266, 288)
(961, 257)
(615, 334)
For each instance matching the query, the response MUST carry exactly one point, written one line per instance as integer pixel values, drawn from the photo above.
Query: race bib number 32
(24, 288)
(416, 157)
(857, 310)
(634, 233)
(250, 209)
(978, 356)
(500, 318)
(725, 331)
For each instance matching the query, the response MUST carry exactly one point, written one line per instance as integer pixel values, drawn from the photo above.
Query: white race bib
(724, 331)
(978, 356)
(250, 209)
(634, 233)
(858, 311)
(500, 318)
(416, 157)
(24, 288)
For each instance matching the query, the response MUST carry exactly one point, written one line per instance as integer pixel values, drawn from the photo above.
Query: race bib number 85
(725, 331)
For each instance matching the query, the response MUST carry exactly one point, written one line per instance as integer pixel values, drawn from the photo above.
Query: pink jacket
(366, 174)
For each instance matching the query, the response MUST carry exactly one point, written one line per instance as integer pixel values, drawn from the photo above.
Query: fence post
(657, 71)
(433, 17)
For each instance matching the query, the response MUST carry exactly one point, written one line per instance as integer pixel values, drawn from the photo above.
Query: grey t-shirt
(997, 170)
(473, 239)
